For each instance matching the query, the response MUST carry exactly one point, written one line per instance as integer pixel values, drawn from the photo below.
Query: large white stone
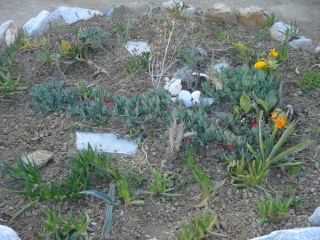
(106, 142)
(8, 31)
(7, 233)
(277, 31)
(174, 84)
(137, 48)
(314, 219)
(43, 21)
(195, 94)
(309, 233)
(38, 25)
(176, 90)
(188, 103)
(185, 95)
(317, 50)
(74, 14)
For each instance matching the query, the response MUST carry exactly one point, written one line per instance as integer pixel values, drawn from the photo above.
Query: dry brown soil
(21, 131)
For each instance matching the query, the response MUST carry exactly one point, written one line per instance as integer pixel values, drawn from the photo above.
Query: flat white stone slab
(106, 142)
(136, 48)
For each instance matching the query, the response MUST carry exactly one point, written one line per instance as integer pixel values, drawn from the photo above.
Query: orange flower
(273, 53)
(274, 115)
(260, 64)
(280, 123)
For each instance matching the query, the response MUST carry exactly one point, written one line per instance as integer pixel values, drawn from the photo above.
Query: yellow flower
(280, 123)
(273, 53)
(274, 115)
(260, 64)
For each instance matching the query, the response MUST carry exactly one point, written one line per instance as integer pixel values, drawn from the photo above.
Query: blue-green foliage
(235, 81)
(52, 97)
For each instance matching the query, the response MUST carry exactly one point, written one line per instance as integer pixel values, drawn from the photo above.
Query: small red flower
(187, 141)
(219, 147)
(254, 125)
(129, 95)
(236, 126)
(102, 98)
(80, 102)
(110, 104)
(168, 109)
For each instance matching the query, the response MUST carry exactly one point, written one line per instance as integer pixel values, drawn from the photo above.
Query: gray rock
(221, 12)
(253, 17)
(7, 31)
(314, 219)
(7, 233)
(301, 43)
(40, 157)
(116, 10)
(277, 31)
(310, 233)
(137, 48)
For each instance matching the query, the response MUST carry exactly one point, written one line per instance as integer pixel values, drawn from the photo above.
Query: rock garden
(159, 122)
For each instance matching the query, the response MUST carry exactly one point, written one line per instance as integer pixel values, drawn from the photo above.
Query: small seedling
(199, 228)
(128, 195)
(274, 210)
(207, 189)
(8, 86)
(72, 228)
(310, 81)
(159, 186)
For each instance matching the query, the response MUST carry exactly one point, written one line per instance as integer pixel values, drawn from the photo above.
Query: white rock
(38, 25)
(195, 94)
(74, 14)
(43, 21)
(185, 95)
(174, 84)
(176, 90)
(301, 43)
(11, 35)
(8, 30)
(136, 48)
(173, 79)
(166, 79)
(5, 26)
(166, 87)
(210, 101)
(174, 99)
(187, 103)
(106, 142)
(314, 219)
(277, 31)
(40, 157)
(309, 233)
(7, 233)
